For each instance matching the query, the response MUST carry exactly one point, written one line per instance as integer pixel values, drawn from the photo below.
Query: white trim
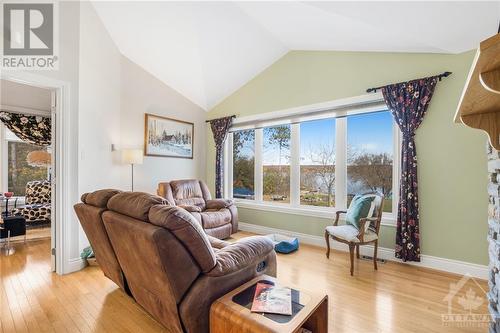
(25, 110)
(437, 263)
(66, 175)
(341, 163)
(76, 264)
(3, 159)
(302, 210)
(295, 165)
(330, 109)
(258, 169)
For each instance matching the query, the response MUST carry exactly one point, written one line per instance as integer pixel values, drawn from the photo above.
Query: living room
(257, 142)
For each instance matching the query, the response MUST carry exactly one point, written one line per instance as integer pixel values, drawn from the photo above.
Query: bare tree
(324, 159)
(373, 170)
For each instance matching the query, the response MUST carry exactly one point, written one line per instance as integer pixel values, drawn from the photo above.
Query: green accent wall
(452, 159)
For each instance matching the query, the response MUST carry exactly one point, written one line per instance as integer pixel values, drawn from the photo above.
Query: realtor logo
(467, 301)
(29, 36)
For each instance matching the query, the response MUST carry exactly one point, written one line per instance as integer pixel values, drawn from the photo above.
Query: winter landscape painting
(168, 137)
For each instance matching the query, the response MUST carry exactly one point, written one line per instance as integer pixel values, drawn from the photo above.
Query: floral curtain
(35, 130)
(408, 102)
(220, 128)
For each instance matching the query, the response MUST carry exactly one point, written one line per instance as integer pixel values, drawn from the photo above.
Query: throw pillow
(359, 208)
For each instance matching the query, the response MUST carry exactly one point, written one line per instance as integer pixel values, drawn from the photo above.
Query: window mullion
(295, 165)
(341, 163)
(258, 178)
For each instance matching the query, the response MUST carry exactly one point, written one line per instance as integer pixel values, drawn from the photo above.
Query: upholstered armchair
(363, 231)
(218, 217)
(37, 209)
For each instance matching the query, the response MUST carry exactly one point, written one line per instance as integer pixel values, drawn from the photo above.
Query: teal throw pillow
(359, 208)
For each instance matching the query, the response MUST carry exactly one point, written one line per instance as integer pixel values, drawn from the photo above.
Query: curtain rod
(209, 120)
(440, 76)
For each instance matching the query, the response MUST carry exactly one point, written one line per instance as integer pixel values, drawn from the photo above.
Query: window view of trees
(18, 170)
(369, 160)
(370, 155)
(243, 164)
(317, 163)
(276, 163)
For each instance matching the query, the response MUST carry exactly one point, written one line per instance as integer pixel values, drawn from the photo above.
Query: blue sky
(370, 133)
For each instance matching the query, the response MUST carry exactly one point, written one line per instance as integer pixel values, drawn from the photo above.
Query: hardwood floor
(396, 298)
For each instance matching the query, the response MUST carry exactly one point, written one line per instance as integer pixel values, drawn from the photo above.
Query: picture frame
(168, 137)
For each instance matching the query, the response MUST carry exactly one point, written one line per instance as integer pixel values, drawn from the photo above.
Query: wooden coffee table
(231, 312)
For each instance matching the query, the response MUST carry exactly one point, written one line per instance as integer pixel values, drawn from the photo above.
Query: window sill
(325, 213)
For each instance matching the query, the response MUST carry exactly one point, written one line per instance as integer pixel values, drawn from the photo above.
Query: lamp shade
(39, 158)
(132, 156)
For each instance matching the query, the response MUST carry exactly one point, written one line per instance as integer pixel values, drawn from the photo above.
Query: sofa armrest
(217, 243)
(190, 208)
(239, 255)
(219, 203)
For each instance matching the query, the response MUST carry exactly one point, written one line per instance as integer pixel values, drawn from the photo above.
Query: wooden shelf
(479, 105)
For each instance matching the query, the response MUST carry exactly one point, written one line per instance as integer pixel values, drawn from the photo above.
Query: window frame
(339, 110)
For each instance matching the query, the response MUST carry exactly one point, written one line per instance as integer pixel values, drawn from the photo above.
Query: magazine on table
(272, 299)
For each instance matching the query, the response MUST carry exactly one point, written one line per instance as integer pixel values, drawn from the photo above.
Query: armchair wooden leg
(375, 255)
(357, 251)
(327, 239)
(351, 254)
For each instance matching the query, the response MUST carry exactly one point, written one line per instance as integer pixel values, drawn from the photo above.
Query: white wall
(143, 93)
(99, 105)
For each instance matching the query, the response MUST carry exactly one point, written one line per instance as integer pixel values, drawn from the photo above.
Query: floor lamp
(132, 156)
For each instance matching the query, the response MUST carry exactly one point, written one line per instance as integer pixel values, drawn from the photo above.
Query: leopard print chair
(38, 207)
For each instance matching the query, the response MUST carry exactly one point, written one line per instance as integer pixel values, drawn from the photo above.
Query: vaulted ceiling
(207, 50)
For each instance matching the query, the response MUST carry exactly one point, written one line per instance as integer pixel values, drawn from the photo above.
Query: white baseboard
(74, 265)
(442, 264)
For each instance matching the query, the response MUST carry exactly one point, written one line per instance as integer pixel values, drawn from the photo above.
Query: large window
(276, 163)
(370, 147)
(318, 162)
(19, 172)
(244, 164)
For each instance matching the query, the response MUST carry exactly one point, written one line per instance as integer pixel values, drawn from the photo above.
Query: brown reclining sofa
(219, 217)
(164, 259)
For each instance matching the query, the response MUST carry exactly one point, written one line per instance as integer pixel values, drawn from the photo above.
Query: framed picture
(168, 137)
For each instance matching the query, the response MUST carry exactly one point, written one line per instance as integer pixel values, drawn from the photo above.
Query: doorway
(27, 148)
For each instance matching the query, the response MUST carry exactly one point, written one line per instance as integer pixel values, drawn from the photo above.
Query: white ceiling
(207, 50)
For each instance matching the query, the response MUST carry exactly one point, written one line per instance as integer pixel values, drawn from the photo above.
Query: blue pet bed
(284, 244)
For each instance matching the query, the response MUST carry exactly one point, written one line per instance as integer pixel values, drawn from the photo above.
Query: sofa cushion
(38, 192)
(134, 204)
(185, 228)
(99, 198)
(350, 233)
(215, 218)
(221, 232)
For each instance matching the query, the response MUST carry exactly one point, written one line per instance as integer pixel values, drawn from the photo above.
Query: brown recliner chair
(173, 269)
(89, 213)
(219, 217)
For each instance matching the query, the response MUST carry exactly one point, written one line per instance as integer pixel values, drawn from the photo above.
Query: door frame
(65, 177)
